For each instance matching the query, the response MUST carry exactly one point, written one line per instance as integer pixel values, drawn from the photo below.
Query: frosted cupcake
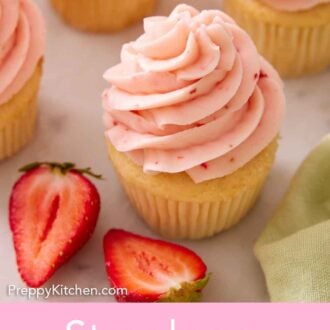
(294, 35)
(192, 119)
(22, 41)
(102, 15)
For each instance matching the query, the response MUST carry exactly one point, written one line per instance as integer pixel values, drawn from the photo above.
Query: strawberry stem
(63, 167)
(187, 292)
(89, 172)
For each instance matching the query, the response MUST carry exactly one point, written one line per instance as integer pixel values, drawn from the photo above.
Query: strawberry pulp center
(54, 207)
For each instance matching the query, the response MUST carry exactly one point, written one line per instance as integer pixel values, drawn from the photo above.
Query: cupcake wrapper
(191, 220)
(103, 15)
(293, 49)
(177, 208)
(18, 117)
(15, 134)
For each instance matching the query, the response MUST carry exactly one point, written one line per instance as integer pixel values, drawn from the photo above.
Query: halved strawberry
(152, 270)
(53, 211)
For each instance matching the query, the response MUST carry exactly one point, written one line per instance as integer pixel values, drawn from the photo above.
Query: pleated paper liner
(176, 208)
(103, 15)
(296, 43)
(18, 117)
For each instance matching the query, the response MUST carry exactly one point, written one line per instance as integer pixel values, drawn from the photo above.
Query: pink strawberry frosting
(22, 42)
(192, 94)
(294, 5)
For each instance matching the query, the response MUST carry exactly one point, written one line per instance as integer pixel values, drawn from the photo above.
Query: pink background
(158, 316)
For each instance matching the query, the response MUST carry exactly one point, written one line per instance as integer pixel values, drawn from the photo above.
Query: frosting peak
(22, 42)
(191, 91)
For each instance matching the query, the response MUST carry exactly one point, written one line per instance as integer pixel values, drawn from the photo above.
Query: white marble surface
(70, 129)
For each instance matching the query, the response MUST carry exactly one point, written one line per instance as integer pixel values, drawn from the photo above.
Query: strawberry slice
(53, 211)
(152, 270)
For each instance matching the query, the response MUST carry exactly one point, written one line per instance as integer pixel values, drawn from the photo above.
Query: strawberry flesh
(52, 215)
(149, 269)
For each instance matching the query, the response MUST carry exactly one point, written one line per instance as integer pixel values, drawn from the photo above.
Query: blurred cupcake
(102, 15)
(293, 35)
(22, 41)
(192, 121)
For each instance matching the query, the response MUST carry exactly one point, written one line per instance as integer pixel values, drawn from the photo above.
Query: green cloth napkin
(294, 249)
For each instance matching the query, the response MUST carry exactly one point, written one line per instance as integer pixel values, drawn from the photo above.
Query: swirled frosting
(294, 5)
(22, 42)
(192, 94)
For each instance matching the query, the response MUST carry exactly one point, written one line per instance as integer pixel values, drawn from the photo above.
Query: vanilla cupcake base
(102, 15)
(296, 43)
(177, 208)
(18, 117)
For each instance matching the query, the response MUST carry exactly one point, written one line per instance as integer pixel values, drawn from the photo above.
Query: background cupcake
(22, 41)
(293, 35)
(192, 121)
(102, 15)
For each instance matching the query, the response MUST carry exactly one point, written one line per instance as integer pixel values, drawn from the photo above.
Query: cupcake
(293, 35)
(102, 15)
(192, 121)
(22, 39)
